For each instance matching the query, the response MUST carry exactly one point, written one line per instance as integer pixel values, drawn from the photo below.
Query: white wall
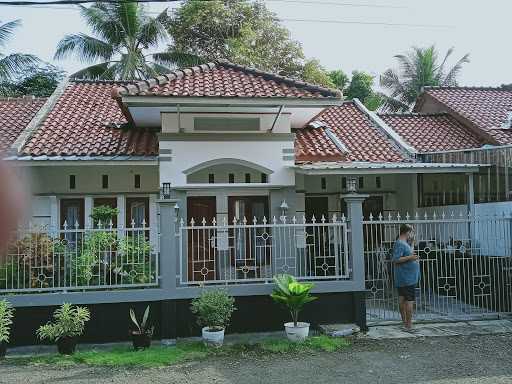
(187, 154)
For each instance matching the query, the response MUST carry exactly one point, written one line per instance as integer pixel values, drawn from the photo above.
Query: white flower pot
(213, 338)
(297, 333)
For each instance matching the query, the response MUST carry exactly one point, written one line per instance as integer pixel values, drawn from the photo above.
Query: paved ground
(482, 359)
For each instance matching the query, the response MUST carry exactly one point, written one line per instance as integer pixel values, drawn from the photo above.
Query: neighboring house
(233, 175)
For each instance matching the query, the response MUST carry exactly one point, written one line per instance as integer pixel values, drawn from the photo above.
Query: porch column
(169, 253)
(354, 203)
(471, 194)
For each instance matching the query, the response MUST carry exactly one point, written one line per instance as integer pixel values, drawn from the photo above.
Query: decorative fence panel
(244, 252)
(465, 266)
(74, 259)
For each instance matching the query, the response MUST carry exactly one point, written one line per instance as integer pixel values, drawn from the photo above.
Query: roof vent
(508, 123)
(317, 124)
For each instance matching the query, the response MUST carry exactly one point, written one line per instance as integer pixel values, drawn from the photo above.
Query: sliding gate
(465, 264)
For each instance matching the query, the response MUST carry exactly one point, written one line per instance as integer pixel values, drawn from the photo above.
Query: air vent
(317, 124)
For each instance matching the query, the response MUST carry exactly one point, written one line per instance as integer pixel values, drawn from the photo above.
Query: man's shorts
(408, 292)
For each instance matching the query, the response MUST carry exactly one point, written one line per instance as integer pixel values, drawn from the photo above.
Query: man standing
(407, 273)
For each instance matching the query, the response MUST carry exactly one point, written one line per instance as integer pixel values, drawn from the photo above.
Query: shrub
(213, 309)
(6, 315)
(104, 215)
(69, 322)
(292, 294)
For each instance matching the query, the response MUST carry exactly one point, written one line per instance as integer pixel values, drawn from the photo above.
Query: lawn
(159, 356)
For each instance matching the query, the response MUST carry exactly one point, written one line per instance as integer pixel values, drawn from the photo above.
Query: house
(230, 175)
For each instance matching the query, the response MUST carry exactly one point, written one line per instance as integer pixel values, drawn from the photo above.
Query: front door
(250, 245)
(201, 243)
(320, 256)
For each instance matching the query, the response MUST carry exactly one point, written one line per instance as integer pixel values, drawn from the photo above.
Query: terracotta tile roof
(362, 139)
(432, 132)
(223, 79)
(15, 114)
(487, 108)
(85, 121)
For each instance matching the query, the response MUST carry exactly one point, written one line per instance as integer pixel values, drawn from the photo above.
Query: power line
(358, 5)
(368, 23)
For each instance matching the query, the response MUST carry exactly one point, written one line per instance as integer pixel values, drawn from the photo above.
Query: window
(344, 182)
(361, 182)
(264, 178)
(137, 211)
(323, 183)
(72, 213)
(72, 181)
(104, 181)
(211, 178)
(136, 181)
(231, 178)
(247, 177)
(378, 182)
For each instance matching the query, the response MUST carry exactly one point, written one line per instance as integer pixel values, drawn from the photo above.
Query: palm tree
(13, 64)
(123, 32)
(417, 68)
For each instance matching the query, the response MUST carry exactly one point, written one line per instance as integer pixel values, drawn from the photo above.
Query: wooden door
(201, 246)
(373, 205)
(250, 246)
(320, 256)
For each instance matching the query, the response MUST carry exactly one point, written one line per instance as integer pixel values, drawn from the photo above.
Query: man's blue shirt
(407, 273)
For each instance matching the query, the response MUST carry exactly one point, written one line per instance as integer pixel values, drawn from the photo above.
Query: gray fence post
(169, 254)
(354, 203)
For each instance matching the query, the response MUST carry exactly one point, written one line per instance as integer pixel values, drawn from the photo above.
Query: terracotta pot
(141, 340)
(3, 349)
(66, 345)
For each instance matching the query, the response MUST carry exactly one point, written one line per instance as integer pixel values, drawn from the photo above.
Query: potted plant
(68, 325)
(6, 315)
(213, 310)
(141, 337)
(293, 295)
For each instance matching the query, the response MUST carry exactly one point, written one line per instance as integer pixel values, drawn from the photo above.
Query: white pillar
(54, 214)
(88, 205)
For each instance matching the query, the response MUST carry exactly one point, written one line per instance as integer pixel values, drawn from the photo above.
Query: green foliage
(142, 327)
(39, 81)
(6, 315)
(241, 31)
(135, 265)
(213, 308)
(104, 215)
(359, 86)
(161, 356)
(123, 32)
(292, 294)
(417, 68)
(69, 322)
(314, 73)
(14, 64)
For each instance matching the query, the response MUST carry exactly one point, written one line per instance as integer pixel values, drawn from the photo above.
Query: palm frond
(100, 71)
(99, 18)
(173, 59)
(87, 48)
(7, 29)
(393, 105)
(14, 64)
(152, 31)
(450, 79)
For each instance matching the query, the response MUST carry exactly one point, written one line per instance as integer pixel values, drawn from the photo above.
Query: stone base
(339, 330)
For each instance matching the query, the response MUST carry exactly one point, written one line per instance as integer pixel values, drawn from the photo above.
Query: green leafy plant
(135, 264)
(292, 294)
(69, 322)
(6, 315)
(103, 214)
(213, 309)
(142, 327)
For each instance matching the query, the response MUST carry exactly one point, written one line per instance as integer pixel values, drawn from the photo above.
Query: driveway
(440, 360)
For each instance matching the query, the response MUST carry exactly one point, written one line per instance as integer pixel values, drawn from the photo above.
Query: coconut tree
(417, 68)
(123, 32)
(13, 64)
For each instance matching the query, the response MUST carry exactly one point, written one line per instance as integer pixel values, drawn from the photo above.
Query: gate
(465, 265)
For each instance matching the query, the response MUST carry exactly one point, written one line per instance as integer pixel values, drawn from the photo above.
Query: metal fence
(71, 258)
(243, 251)
(465, 266)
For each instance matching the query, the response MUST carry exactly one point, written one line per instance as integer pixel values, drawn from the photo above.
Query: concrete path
(464, 328)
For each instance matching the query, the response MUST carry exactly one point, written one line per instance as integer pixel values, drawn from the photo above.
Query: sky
(344, 34)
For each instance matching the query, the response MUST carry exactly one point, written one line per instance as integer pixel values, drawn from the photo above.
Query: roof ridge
(23, 99)
(102, 81)
(412, 114)
(470, 87)
(144, 85)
